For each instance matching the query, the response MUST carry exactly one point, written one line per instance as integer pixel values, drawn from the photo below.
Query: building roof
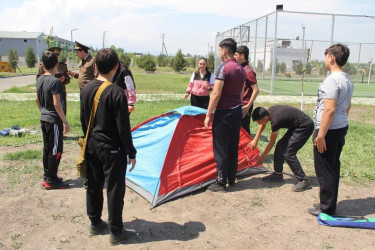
(20, 34)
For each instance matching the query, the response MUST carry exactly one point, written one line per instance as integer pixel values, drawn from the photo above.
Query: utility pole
(163, 45)
(104, 38)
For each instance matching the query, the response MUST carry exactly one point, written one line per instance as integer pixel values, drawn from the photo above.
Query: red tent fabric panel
(246, 157)
(190, 159)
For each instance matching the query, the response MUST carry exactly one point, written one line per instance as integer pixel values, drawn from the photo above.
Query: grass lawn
(356, 158)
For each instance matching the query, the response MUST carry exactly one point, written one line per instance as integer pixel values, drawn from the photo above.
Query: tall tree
(13, 59)
(211, 61)
(282, 67)
(30, 58)
(179, 63)
(259, 67)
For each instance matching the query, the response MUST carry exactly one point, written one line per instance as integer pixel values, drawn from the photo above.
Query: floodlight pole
(71, 39)
(369, 72)
(274, 54)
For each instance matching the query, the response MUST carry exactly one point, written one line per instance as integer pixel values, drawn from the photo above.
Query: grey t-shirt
(336, 86)
(46, 87)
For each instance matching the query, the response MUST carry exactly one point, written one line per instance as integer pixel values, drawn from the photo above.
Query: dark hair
(205, 59)
(243, 50)
(229, 44)
(49, 59)
(106, 60)
(340, 52)
(259, 113)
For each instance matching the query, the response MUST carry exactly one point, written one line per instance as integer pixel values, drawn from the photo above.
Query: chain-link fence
(287, 49)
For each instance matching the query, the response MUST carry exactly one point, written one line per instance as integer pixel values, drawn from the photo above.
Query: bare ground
(255, 215)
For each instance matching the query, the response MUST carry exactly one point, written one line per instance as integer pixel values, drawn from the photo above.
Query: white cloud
(136, 25)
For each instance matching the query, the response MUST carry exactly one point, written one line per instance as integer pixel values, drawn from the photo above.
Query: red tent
(175, 155)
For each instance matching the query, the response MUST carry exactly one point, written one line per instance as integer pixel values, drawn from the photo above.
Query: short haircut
(49, 59)
(259, 113)
(340, 52)
(106, 60)
(243, 50)
(230, 45)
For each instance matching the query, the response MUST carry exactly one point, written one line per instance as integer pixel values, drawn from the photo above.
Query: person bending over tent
(300, 127)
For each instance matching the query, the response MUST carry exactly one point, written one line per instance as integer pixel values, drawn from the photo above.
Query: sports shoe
(98, 229)
(216, 187)
(55, 184)
(125, 235)
(274, 177)
(314, 211)
(302, 186)
(44, 182)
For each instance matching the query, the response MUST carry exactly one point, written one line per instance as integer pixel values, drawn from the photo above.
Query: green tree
(322, 69)
(179, 62)
(191, 62)
(125, 58)
(308, 68)
(282, 67)
(30, 58)
(162, 60)
(349, 68)
(277, 67)
(211, 61)
(149, 63)
(13, 59)
(259, 67)
(63, 57)
(297, 67)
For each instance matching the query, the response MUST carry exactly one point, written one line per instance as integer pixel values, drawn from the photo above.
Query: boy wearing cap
(86, 66)
(52, 118)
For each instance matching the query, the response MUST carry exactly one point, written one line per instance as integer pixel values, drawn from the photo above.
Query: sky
(137, 25)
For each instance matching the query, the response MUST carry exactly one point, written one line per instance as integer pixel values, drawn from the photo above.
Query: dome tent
(175, 155)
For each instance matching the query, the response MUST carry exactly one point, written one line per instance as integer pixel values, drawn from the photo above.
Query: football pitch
(293, 87)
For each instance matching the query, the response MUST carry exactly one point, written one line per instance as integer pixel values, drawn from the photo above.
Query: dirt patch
(255, 215)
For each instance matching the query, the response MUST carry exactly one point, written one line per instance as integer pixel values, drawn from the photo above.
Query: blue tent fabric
(352, 222)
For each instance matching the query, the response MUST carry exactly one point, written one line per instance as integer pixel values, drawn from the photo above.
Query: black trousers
(287, 148)
(199, 101)
(52, 148)
(105, 163)
(245, 123)
(327, 168)
(226, 135)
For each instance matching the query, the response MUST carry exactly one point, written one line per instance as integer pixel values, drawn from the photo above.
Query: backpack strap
(95, 103)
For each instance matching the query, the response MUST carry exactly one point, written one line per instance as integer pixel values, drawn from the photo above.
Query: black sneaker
(216, 187)
(124, 236)
(45, 180)
(274, 177)
(302, 186)
(98, 229)
(55, 184)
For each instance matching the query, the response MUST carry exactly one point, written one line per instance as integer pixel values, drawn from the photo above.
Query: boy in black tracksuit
(300, 127)
(108, 146)
(51, 103)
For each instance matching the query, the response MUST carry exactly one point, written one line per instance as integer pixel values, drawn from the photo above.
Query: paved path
(271, 99)
(18, 81)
